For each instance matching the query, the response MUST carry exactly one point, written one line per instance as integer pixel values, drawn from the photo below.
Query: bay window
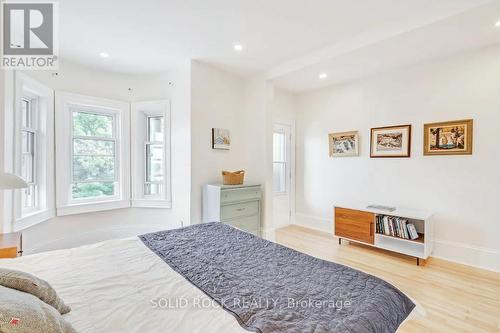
(92, 169)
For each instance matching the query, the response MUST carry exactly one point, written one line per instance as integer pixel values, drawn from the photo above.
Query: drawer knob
(240, 209)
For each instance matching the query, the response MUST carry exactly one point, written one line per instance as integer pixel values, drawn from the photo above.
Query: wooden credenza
(356, 222)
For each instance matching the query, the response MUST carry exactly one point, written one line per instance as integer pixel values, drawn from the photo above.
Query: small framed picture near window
(344, 144)
(448, 138)
(392, 141)
(221, 139)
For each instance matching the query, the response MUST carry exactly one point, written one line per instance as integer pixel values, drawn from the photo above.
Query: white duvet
(121, 286)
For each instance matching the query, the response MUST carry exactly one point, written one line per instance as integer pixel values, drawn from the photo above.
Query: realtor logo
(29, 39)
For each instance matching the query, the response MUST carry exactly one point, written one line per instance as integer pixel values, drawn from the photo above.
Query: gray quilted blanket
(271, 288)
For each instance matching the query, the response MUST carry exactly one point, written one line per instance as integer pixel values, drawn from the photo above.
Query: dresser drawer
(240, 194)
(236, 210)
(354, 224)
(249, 224)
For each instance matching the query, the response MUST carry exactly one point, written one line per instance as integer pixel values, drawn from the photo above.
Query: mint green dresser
(237, 205)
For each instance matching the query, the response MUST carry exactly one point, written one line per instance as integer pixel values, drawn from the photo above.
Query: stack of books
(396, 227)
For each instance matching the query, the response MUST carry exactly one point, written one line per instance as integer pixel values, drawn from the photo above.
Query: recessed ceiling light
(322, 76)
(238, 47)
(104, 55)
(497, 24)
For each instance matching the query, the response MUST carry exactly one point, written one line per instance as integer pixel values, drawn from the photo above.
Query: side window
(279, 161)
(151, 154)
(33, 153)
(29, 153)
(154, 156)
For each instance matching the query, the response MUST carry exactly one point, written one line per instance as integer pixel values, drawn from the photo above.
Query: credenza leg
(418, 261)
(340, 241)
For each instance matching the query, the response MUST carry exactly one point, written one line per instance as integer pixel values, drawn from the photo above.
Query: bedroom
(337, 111)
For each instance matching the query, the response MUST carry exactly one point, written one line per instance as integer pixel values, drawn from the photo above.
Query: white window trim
(44, 170)
(281, 129)
(139, 112)
(121, 111)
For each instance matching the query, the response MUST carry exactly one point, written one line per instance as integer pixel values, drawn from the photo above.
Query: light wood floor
(455, 298)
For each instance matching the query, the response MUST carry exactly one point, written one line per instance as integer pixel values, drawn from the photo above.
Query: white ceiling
(472, 29)
(290, 40)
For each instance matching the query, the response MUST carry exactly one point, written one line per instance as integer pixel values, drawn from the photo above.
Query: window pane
(27, 142)
(28, 156)
(279, 147)
(155, 129)
(154, 163)
(93, 147)
(279, 177)
(27, 168)
(152, 189)
(90, 190)
(29, 197)
(88, 168)
(96, 125)
(26, 113)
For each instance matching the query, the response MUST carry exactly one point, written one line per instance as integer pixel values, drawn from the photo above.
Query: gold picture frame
(449, 137)
(343, 144)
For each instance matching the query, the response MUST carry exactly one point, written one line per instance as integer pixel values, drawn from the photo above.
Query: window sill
(33, 218)
(146, 203)
(92, 207)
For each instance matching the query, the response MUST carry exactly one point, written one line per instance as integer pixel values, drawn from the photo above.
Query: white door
(282, 149)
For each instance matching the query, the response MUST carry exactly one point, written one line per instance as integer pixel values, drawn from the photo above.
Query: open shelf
(420, 239)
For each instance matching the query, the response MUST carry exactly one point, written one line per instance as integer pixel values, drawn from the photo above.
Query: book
(412, 231)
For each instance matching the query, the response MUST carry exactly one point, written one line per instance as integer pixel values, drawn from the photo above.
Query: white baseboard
(465, 254)
(269, 234)
(460, 253)
(314, 222)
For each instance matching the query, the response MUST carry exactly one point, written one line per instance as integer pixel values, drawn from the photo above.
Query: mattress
(121, 286)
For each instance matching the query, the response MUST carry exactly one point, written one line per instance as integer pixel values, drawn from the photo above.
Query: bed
(180, 281)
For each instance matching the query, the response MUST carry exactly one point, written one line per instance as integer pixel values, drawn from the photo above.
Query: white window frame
(65, 104)
(286, 131)
(42, 98)
(140, 112)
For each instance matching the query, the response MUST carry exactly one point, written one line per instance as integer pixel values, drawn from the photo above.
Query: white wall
(463, 191)
(244, 106)
(85, 228)
(259, 95)
(216, 102)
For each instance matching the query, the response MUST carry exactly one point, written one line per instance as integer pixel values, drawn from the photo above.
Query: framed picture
(220, 139)
(392, 141)
(344, 144)
(448, 138)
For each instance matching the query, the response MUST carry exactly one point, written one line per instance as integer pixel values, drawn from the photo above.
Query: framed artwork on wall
(344, 144)
(391, 141)
(221, 139)
(448, 138)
